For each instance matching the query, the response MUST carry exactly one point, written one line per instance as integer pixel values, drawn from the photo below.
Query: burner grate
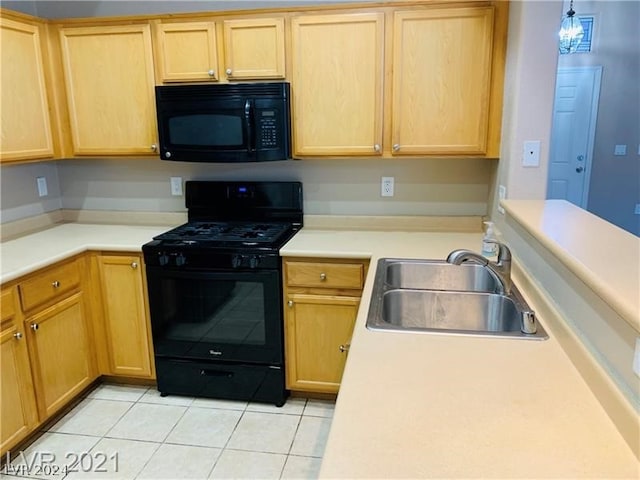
(227, 232)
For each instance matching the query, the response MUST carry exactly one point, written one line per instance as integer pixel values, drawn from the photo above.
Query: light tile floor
(121, 431)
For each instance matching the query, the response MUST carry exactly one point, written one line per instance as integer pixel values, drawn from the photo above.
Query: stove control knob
(163, 259)
(236, 261)
(180, 260)
(253, 261)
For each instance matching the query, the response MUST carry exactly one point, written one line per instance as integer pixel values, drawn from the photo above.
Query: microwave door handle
(249, 125)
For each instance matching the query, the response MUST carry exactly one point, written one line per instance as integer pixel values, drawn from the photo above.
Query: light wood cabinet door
(60, 352)
(18, 414)
(337, 84)
(110, 89)
(441, 80)
(25, 124)
(124, 306)
(319, 329)
(254, 48)
(187, 52)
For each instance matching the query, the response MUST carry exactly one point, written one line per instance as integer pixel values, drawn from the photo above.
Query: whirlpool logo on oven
(215, 352)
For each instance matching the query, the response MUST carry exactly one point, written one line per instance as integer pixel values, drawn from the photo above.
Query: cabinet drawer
(329, 275)
(7, 307)
(48, 285)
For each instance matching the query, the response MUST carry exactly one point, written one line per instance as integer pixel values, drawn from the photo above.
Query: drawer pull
(134, 265)
(344, 348)
(55, 284)
(34, 326)
(290, 303)
(323, 276)
(17, 336)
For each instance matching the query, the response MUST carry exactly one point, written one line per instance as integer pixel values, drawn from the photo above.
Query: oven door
(223, 316)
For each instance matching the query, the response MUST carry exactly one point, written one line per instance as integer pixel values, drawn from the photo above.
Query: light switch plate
(620, 150)
(531, 153)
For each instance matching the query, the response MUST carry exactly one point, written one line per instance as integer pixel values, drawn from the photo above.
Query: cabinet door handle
(376, 147)
(34, 326)
(17, 336)
(290, 303)
(55, 284)
(154, 147)
(396, 147)
(323, 276)
(211, 73)
(229, 71)
(134, 265)
(344, 348)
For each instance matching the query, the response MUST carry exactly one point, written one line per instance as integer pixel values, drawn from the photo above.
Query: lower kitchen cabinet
(61, 353)
(126, 326)
(18, 413)
(319, 330)
(321, 304)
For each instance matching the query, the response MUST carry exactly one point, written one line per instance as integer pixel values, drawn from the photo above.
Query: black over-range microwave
(224, 123)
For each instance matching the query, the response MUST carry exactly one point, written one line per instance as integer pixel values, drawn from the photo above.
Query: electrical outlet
(637, 209)
(636, 358)
(42, 186)
(176, 186)
(386, 187)
(531, 153)
(502, 194)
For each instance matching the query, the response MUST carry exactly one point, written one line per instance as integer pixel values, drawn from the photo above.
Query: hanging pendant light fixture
(571, 31)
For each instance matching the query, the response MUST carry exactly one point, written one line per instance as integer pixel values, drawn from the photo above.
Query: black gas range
(215, 291)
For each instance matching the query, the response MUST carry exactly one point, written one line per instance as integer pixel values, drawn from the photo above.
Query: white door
(575, 113)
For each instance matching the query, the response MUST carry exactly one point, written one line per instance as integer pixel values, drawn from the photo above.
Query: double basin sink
(432, 296)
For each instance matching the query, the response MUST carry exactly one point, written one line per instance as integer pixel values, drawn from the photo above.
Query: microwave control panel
(268, 126)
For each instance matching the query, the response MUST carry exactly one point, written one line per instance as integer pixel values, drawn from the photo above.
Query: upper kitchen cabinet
(24, 117)
(254, 48)
(110, 89)
(337, 84)
(442, 73)
(186, 52)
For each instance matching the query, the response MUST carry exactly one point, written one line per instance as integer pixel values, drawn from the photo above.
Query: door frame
(596, 71)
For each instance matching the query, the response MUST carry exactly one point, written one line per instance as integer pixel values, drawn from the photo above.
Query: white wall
(530, 77)
(348, 187)
(19, 194)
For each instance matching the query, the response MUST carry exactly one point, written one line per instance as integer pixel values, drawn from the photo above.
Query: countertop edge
(627, 309)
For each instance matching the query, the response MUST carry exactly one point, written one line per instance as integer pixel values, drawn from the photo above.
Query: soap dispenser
(489, 249)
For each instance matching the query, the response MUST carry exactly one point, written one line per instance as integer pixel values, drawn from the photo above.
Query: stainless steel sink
(438, 275)
(432, 296)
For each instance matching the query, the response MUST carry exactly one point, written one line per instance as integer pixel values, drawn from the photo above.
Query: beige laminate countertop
(443, 406)
(31, 252)
(419, 406)
(604, 256)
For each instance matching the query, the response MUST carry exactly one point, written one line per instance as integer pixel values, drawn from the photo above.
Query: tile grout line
(158, 444)
(163, 440)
